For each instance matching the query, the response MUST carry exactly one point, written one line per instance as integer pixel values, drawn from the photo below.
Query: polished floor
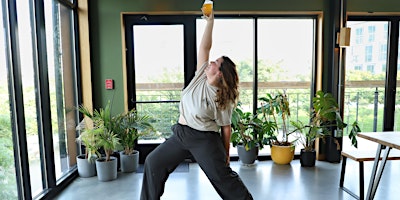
(264, 179)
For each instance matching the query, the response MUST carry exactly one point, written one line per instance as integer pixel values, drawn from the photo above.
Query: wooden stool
(360, 156)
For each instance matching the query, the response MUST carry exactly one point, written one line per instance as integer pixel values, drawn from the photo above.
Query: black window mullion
(391, 77)
(190, 49)
(43, 95)
(17, 103)
(255, 65)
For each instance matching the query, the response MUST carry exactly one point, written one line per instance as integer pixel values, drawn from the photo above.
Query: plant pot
(307, 158)
(282, 154)
(247, 157)
(106, 171)
(86, 168)
(333, 149)
(129, 163)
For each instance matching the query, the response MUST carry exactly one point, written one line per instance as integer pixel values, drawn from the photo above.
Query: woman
(205, 109)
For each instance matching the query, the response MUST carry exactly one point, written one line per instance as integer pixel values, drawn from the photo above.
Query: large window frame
(51, 184)
(189, 21)
(392, 57)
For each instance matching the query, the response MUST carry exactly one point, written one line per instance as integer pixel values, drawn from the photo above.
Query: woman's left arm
(226, 138)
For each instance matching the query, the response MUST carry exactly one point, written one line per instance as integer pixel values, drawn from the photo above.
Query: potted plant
(106, 139)
(274, 111)
(86, 162)
(129, 127)
(246, 135)
(324, 118)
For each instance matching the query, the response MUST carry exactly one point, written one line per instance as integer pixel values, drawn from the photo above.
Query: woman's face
(213, 68)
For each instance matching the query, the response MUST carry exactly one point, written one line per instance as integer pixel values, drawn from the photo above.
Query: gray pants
(207, 149)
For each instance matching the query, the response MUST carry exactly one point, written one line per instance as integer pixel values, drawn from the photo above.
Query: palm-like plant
(101, 135)
(129, 127)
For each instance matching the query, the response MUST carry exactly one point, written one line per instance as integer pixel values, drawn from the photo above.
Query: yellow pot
(282, 154)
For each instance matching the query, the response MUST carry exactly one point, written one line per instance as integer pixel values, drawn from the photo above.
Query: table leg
(381, 167)
(376, 176)
(374, 168)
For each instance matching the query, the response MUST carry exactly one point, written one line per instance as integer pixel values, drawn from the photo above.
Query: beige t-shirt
(198, 106)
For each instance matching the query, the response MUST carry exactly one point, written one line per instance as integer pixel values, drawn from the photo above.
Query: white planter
(85, 168)
(129, 163)
(107, 171)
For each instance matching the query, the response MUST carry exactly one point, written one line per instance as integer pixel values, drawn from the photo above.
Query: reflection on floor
(264, 179)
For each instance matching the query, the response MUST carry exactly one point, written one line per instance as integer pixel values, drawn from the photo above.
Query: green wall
(106, 41)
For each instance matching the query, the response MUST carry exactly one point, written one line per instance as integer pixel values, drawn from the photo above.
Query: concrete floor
(264, 179)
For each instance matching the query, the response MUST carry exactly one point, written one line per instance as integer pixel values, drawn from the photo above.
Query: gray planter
(129, 163)
(85, 168)
(106, 171)
(247, 157)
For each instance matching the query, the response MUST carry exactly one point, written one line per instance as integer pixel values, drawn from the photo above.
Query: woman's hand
(228, 160)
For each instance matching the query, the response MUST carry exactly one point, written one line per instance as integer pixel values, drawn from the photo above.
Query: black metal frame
(189, 49)
(51, 186)
(17, 104)
(391, 70)
(190, 53)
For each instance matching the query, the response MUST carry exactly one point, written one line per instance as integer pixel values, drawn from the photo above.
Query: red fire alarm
(109, 84)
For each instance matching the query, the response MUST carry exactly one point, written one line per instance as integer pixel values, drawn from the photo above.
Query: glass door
(366, 65)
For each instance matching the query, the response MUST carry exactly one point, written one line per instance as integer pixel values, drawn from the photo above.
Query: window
(280, 56)
(226, 42)
(39, 98)
(8, 184)
(383, 52)
(368, 54)
(360, 96)
(397, 103)
(159, 51)
(371, 33)
(285, 63)
(385, 32)
(62, 83)
(383, 68)
(370, 68)
(29, 95)
(359, 35)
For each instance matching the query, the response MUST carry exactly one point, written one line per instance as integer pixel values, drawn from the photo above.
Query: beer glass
(207, 7)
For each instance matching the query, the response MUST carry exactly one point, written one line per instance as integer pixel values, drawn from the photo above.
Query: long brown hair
(228, 92)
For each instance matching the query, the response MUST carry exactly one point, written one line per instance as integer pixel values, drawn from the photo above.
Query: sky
(288, 40)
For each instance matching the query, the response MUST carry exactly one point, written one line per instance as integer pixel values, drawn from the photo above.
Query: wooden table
(386, 141)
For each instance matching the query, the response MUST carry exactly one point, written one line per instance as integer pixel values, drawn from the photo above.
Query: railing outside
(363, 102)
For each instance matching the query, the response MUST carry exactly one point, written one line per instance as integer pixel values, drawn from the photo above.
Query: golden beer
(207, 7)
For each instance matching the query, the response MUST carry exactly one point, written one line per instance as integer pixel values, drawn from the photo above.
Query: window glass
(285, 61)
(238, 46)
(29, 94)
(397, 108)
(158, 57)
(8, 185)
(62, 83)
(365, 76)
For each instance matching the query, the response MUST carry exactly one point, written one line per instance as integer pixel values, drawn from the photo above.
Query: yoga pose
(203, 129)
